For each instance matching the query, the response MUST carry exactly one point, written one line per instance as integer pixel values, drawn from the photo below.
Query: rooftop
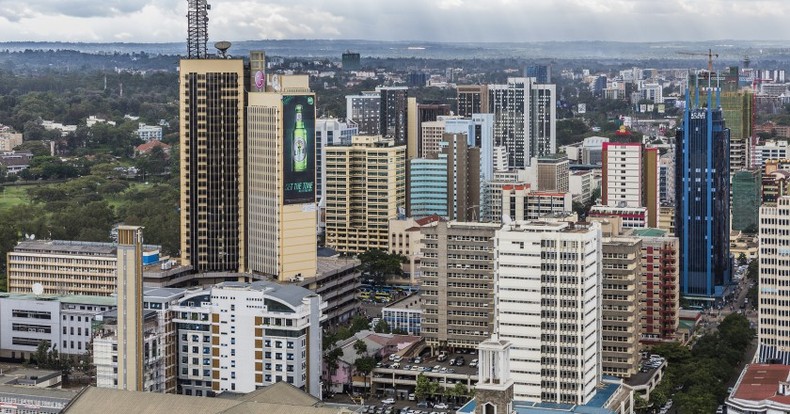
(760, 382)
(75, 299)
(291, 294)
(409, 302)
(72, 247)
(649, 232)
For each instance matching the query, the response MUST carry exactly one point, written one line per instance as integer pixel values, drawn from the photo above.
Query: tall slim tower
(773, 339)
(212, 164)
(130, 308)
(702, 188)
(197, 28)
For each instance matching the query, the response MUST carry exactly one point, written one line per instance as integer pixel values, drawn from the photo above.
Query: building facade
(520, 203)
(773, 340)
(428, 184)
(702, 198)
(213, 215)
(472, 99)
(548, 284)
(631, 177)
(659, 298)
(746, 199)
(365, 111)
(67, 267)
(457, 284)
(366, 187)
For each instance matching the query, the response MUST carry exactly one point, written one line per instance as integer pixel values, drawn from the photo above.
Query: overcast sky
(432, 20)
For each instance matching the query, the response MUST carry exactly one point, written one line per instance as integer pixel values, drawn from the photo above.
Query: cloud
(439, 20)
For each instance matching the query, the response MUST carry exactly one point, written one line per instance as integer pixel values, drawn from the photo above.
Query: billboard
(298, 149)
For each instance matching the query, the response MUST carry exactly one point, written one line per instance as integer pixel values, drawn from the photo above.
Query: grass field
(13, 196)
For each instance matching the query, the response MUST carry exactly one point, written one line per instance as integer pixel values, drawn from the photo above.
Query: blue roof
(595, 406)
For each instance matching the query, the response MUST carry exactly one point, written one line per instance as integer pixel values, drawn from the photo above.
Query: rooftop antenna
(197, 28)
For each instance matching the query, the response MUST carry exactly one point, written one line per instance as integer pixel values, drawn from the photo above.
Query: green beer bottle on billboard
(299, 143)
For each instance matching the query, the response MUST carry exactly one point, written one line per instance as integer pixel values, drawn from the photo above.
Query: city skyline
(445, 20)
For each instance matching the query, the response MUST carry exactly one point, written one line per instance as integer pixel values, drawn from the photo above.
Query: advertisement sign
(582, 109)
(299, 149)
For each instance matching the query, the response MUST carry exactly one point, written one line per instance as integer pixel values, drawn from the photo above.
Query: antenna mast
(197, 28)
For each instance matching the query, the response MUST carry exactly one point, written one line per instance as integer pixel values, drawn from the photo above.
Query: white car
(441, 406)
(388, 401)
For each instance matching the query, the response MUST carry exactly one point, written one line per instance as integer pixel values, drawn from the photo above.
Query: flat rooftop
(761, 382)
(75, 299)
(72, 247)
(649, 232)
(411, 302)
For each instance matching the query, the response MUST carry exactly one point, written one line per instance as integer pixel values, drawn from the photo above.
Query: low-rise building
(14, 162)
(149, 132)
(404, 315)
(337, 282)
(633, 217)
(67, 267)
(761, 389)
(520, 203)
(9, 139)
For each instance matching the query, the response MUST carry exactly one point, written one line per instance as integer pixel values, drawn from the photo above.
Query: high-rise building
(130, 308)
(426, 113)
(472, 99)
(366, 185)
(428, 186)
(620, 323)
(775, 181)
(548, 285)
(631, 177)
(365, 111)
(329, 131)
(457, 283)
(737, 106)
(393, 111)
(541, 73)
(281, 175)
(659, 301)
(524, 119)
(746, 199)
(213, 168)
(666, 178)
(702, 197)
(773, 339)
(350, 61)
(431, 133)
(553, 174)
(463, 176)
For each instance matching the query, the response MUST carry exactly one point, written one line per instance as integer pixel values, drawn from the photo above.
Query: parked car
(412, 397)
(473, 363)
(388, 401)
(452, 361)
(441, 406)
(442, 356)
(417, 360)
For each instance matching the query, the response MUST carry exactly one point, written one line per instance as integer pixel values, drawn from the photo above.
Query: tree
(381, 327)
(359, 323)
(423, 387)
(742, 260)
(364, 366)
(361, 347)
(674, 352)
(380, 266)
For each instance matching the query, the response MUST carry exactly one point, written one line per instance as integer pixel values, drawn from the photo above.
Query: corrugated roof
(761, 382)
(105, 400)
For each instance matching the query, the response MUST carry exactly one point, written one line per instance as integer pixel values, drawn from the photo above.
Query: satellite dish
(38, 289)
(222, 46)
(506, 219)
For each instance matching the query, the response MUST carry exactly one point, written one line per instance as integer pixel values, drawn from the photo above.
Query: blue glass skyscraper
(702, 197)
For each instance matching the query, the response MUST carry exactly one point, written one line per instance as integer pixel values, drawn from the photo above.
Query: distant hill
(730, 50)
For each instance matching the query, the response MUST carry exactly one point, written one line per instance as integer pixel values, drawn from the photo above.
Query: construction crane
(710, 56)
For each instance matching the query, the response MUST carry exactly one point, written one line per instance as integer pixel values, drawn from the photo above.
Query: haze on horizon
(420, 20)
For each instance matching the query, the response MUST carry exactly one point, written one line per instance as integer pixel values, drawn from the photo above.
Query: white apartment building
(622, 174)
(149, 132)
(547, 288)
(240, 336)
(773, 336)
(26, 320)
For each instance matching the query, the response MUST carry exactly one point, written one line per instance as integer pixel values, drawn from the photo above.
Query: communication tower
(197, 28)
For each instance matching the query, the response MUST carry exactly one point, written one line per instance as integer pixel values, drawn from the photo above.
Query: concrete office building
(457, 284)
(548, 285)
(553, 173)
(149, 132)
(659, 298)
(770, 150)
(524, 119)
(68, 267)
(393, 121)
(520, 203)
(365, 111)
(237, 337)
(350, 61)
(366, 187)
(9, 139)
(423, 113)
(620, 324)
(773, 339)
(431, 133)
(581, 184)
(281, 193)
(463, 176)
(702, 198)
(406, 240)
(633, 217)
(404, 314)
(472, 99)
(213, 207)
(666, 178)
(630, 178)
